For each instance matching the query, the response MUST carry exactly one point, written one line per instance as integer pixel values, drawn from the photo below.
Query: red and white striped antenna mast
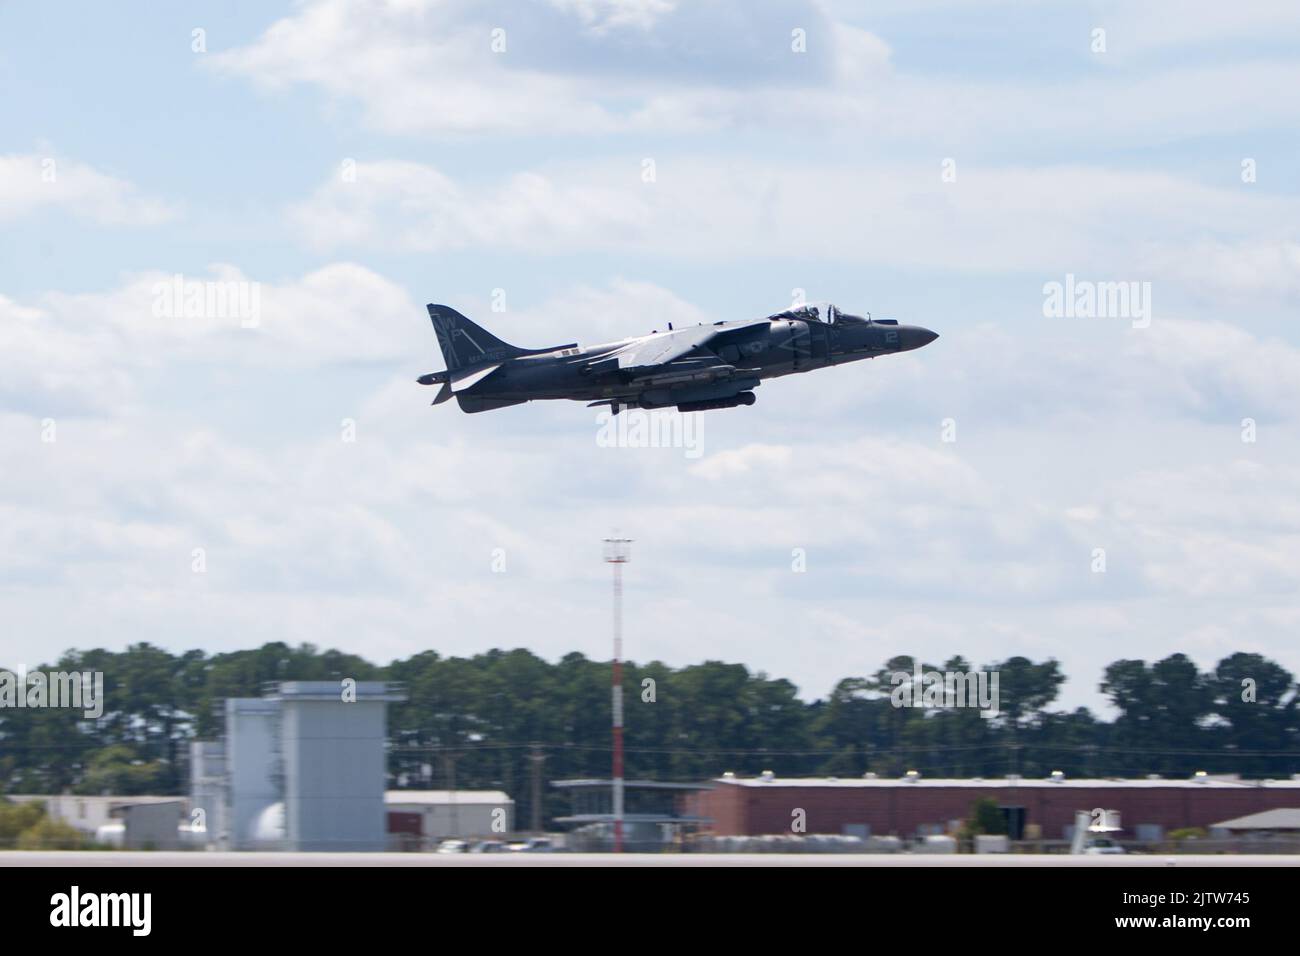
(617, 553)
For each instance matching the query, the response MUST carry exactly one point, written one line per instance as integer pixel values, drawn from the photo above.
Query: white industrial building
(136, 823)
(450, 813)
(300, 769)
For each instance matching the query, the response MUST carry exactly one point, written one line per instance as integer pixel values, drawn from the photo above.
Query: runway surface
(511, 860)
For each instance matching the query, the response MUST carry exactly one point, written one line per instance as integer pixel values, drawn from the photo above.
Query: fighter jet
(692, 369)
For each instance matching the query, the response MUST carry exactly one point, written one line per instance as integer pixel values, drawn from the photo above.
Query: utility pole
(617, 553)
(537, 757)
(449, 762)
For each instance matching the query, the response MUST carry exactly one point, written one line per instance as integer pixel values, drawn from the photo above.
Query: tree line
(493, 720)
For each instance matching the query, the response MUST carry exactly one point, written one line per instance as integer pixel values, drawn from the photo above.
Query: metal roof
(594, 782)
(331, 690)
(1282, 818)
(93, 799)
(439, 797)
(633, 818)
(1195, 783)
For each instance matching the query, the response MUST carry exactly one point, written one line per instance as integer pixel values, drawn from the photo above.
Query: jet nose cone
(913, 337)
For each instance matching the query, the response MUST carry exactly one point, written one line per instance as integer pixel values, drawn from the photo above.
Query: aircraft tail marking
(465, 343)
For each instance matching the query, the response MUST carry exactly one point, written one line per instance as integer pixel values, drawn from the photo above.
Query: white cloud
(31, 183)
(1092, 371)
(1110, 224)
(423, 67)
(599, 68)
(602, 16)
(1216, 366)
(86, 350)
(1139, 28)
(50, 366)
(577, 67)
(402, 205)
(1237, 271)
(1230, 529)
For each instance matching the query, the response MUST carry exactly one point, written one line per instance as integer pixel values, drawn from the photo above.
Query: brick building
(911, 805)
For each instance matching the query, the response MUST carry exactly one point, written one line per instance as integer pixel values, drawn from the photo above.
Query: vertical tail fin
(464, 343)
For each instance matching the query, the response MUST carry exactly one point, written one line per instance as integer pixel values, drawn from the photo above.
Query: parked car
(533, 845)
(1102, 845)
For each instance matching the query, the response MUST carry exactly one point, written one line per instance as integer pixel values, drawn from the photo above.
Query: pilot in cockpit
(819, 312)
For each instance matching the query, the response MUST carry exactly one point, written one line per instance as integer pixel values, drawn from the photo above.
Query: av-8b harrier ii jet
(693, 369)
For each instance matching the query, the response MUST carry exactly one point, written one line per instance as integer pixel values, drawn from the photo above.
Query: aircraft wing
(695, 370)
(660, 349)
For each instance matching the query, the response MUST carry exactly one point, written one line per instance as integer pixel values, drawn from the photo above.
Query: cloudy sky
(595, 169)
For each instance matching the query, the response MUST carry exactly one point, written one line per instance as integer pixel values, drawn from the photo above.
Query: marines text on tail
(705, 366)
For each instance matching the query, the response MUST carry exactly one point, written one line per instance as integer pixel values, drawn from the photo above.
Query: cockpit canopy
(819, 312)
